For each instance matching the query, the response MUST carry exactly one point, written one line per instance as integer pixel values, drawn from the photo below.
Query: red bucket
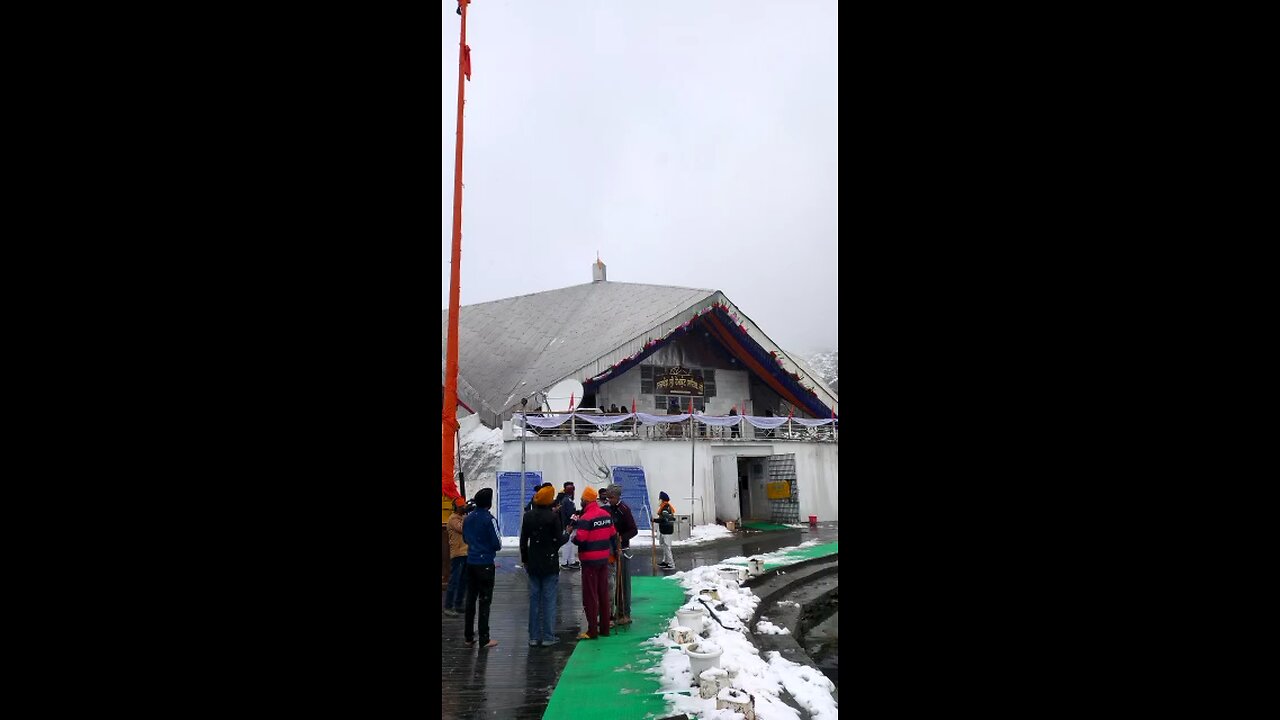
(813, 521)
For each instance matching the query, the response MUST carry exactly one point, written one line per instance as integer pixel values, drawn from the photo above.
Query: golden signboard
(780, 490)
(678, 381)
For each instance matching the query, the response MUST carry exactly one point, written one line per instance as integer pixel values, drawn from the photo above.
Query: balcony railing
(554, 426)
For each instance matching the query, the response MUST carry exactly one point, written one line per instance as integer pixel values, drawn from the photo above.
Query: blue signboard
(511, 503)
(635, 491)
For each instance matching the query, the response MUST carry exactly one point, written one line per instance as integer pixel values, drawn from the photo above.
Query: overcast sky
(690, 143)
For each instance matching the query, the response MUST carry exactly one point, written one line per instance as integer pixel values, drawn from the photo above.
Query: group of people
(597, 541)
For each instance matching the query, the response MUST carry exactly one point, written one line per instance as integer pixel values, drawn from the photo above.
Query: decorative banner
(760, 421)
(603, 419)
(510, 504)
(812, 423)
(650, 419)
(677, 381)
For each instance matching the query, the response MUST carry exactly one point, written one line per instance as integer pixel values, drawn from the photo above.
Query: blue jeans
(542, 602)
(456, 594)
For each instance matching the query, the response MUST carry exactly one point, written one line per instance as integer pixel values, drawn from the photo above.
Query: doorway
(752, 498)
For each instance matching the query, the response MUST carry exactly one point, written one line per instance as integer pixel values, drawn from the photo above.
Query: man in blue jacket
(480, 532)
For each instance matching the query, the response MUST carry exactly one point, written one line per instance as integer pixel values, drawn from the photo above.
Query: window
(660, 402)
(646, 380)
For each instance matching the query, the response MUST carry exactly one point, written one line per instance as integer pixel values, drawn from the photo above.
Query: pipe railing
(632, 429)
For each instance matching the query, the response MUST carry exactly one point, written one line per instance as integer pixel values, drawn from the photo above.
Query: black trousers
(479, 587)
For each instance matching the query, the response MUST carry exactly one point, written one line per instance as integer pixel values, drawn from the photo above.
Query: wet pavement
(514, 680)
(822, 642)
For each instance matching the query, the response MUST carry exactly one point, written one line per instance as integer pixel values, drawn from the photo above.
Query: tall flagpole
(449, 418)
(693, 468)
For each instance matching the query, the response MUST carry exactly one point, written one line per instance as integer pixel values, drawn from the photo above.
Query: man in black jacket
(529, 506)
(625, 522)
(541, 535)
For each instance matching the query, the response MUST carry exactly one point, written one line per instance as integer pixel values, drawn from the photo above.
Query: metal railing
(633, 429)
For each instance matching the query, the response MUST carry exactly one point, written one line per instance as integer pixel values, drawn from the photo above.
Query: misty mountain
(827, 366)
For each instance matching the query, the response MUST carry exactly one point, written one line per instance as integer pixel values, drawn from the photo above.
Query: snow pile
(764, 627)
(481, 453)
(777, 557)
(807, 685)
(610, 433)
(764, 678)
(704, 533)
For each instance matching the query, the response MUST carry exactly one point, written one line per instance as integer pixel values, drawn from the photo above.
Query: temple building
(677, 381)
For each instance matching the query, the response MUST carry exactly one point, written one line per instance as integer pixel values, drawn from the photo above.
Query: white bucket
(755, 567)
(692, 619)
(682, 635)
(709, 594)
(711, 682)
(701, 661)
(733, 575)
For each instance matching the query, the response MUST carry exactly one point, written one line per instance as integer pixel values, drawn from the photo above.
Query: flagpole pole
(693, 471)
(450, 422)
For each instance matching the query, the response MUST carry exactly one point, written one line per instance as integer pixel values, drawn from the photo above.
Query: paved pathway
(514, 680)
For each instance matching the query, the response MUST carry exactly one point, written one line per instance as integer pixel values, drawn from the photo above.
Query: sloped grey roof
(513, 348)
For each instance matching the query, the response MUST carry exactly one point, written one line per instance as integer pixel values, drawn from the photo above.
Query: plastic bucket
(813, 521)
(702, 661)
(692, 619)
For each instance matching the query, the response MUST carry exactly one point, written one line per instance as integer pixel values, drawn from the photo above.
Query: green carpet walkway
(604, 677)
(752, 525)
(613, 667)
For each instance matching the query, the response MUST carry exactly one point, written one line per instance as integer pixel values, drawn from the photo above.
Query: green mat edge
(566, 703)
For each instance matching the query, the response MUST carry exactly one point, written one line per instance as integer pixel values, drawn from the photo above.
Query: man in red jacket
(597, 540)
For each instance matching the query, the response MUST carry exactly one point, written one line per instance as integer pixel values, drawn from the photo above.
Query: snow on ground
(702, 534)
(780, 557)
(763, 677)
(764, 627)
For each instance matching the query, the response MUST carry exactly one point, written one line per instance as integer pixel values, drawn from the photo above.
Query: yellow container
(446, 508)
